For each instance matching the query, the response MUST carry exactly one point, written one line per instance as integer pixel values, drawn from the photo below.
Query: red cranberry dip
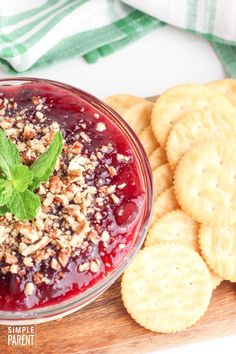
(72, 196)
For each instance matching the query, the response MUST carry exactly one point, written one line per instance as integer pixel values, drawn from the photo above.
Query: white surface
(162, 59)
(217, 346)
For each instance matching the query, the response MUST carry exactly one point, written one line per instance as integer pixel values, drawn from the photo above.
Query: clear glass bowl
(66, 307)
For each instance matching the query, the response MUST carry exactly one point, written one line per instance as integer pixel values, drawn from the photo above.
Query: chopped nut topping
(111, 189)
(122, 186)
(55, 265)
(83, 267)
(55, 184)
(14, 269)
(28, 261)
(39, 115)
(112, 171)
(94, 265)
(100, 127)
(105, 236)
(10, 259)
(29, 132)
(74, 201)
(115, 198)
(29, 289)
(121, 158)
(85, 137)
(49, 199)
(121, 246)
(63, 257)
(29, 233)
(37, 246)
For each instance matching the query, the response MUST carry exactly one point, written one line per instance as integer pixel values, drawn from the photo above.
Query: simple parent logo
(21, 336)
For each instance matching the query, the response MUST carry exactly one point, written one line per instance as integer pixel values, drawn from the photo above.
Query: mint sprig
(9, 155)
(21, 177)
(43, 167)
(24, 205)
(5, 191)
(18, 181)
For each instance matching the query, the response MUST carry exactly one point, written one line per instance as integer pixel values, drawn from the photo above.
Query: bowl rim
(46, 313)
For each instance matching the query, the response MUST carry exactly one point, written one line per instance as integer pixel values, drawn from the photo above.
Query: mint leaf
(24, 205)
(9, 154)
(3, 210)
(21, 177)
(43, 167)
(5, 191)
(16, 178)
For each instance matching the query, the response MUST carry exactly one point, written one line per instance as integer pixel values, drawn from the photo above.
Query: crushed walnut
(70, 202)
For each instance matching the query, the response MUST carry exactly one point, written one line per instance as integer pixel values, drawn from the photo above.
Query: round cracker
(205, 182)
(167, 288)
(157, 158)
(175, 102)
(148, 140)
(139, 116)
(218, 247)
(216, 279)
(226, 87)
(177, 227)
(162, 179)
(120, 103)
(196, 127)
(165, 203)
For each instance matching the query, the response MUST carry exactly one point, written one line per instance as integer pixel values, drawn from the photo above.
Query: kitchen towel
(34, 33)
(215, 20)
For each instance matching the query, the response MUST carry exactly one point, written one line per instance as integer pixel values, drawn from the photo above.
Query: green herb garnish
(18, 181)
(43, 167)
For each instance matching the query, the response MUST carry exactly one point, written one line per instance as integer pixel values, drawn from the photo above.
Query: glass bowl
(68, 306)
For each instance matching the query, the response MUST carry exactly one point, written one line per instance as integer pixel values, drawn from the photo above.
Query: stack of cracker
(189, 135)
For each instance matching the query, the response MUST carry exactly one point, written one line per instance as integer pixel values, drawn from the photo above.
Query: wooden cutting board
(105, 327)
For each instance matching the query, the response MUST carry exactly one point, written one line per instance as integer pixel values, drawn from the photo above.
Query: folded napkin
(215, 20)
(35, 33)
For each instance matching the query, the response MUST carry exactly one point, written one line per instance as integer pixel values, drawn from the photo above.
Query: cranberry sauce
(115, 204)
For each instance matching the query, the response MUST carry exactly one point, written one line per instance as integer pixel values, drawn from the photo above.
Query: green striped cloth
(214, 20)
(36, 33)
(50, 30)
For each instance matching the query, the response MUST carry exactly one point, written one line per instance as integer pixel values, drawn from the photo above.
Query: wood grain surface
(104, 327)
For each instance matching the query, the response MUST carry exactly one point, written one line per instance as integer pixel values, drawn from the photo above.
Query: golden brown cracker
(175, 226)
(139, 116)
(162, 178)
(226, 87)
(175, 102)
(167, 288)
(216, 279)
(196, 127)
(121, 102)
(205, 182)
(218, 247)
(164, 203)
(157, 158)
(148, 140)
